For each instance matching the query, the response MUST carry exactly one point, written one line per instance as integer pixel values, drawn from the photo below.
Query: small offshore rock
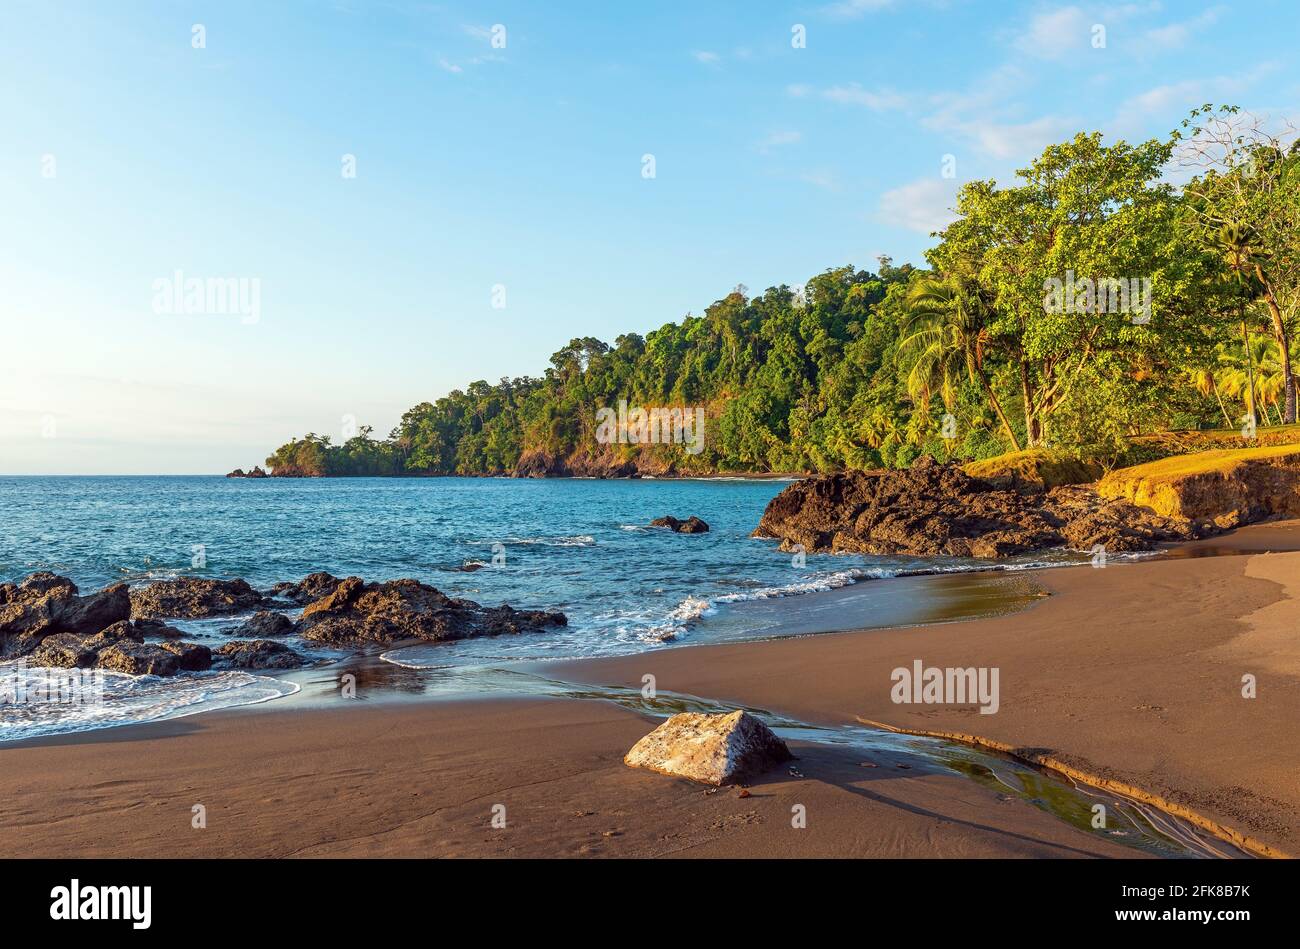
(692, 525)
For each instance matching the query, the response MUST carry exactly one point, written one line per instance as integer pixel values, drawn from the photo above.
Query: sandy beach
(1131, 673)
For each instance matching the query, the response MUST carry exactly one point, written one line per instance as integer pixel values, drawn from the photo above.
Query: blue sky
(128, 154)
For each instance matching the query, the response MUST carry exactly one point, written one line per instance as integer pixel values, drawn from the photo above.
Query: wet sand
(422, 780)
(1131, 672)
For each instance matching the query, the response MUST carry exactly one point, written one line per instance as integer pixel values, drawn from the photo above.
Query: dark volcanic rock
(692, 525)
(264, 623)
(120, 648)
(90, 614)
(35, 584)
(44, 603)
(138, 659)
(192, 657)
(80, 649)
(357, 612)
(28, 610)
(64, 650)
(541, 464)
(156, 627)
(193, 596)
(932, 509)
(256, 472)
(258, 654)
(309, 588)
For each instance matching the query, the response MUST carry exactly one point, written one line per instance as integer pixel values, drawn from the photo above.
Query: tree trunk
(1250, 373)
(997, 408)
(1219, 398)
(1027, 397)
(1280, 334)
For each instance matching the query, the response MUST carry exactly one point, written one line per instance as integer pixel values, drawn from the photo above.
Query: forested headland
(1108, 291)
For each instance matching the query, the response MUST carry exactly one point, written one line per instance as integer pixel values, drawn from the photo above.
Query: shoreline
(817, 678)
(1236, 770)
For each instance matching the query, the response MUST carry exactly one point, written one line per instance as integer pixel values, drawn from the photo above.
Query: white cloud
(985, 118)
(924, 205)
(1170, 101)
(706, 57)
(449, 66)
(1176, 35)
(1056, 34)
(1020, 141)
(878, 100)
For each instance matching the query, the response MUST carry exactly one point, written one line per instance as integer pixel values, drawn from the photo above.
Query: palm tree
(1237, 242)
(880, 429)
(1251, 370)
(945, 333)
(1270, 377)
(1202, 379)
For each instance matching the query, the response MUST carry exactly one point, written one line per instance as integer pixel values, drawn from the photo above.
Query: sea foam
(125, 700)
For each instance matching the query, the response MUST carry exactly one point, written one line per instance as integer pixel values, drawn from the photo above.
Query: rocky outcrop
(932, 509)
(542, 464)
(27, 611)
(607, 463)
(257, 654)
(75, 650)
(35, 584)
(44, 603)
(711, 749)
(255, 472)
(159, 659)
(90, 614)
(358, 612)
(264, 623)
(192, 597)
(692, 525)
(120, 647)
(44, 617)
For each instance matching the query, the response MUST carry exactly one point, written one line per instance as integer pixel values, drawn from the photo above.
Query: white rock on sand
(711, 749)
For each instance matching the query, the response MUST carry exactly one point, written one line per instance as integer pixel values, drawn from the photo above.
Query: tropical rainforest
(967, 357)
